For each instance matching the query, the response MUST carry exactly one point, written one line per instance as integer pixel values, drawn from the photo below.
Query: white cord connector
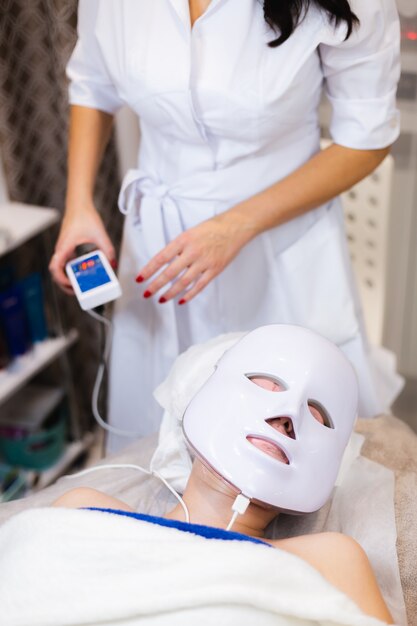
(239, 507)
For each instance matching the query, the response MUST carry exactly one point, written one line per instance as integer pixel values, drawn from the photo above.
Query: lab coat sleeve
(90, 82)
(361, 76)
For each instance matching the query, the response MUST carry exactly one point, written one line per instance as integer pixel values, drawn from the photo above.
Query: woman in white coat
(232, 220)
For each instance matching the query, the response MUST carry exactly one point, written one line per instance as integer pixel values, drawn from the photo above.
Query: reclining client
(267, 432)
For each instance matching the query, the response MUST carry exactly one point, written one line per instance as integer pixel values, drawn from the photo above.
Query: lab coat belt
(155, 211)
(154, 208)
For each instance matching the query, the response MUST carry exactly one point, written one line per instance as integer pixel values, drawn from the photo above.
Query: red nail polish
(182, 301)
(113, 263)
(162, 300)
(139, 279)
(147, 294)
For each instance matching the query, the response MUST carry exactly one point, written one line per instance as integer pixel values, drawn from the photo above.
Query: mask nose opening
(283, 424)
(269, 448)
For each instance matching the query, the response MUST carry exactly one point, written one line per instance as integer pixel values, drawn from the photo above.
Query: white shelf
(29, 408)
(73, 450)
(19, 222)
(23, 368)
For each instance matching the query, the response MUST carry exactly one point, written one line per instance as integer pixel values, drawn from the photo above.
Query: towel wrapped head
(283, 449)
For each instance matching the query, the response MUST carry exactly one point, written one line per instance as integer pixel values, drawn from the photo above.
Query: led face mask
(275, 417)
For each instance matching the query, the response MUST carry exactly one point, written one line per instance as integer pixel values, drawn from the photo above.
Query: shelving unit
(22, 369)
(18, 224)
(21, 222)
(74, 450)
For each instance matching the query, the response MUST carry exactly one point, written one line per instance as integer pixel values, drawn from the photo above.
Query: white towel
(72, 567)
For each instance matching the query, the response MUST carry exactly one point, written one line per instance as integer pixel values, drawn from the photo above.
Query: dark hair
(285, 15)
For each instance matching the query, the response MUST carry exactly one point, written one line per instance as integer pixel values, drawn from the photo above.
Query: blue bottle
(4, 354)
(7, 276)
(14, 322)
(32, 292)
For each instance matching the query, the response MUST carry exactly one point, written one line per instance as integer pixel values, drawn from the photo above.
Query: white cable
(241, 502)
(177, 495)
(99, 379)
(140, 469)
(109, 466)
(232, 521)
(99, 317)
(117, 431)
(239, 507)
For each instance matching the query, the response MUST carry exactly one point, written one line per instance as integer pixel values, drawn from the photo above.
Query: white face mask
(281, 445)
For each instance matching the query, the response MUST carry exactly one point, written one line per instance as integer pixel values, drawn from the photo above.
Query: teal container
(12, 483)
(36, 451)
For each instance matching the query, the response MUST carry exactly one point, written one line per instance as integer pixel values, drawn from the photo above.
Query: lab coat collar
(182, 9)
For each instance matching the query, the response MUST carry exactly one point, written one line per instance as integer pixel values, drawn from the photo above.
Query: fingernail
(182, 301)
(147, 294)
(113, 263)
(162, 300)
(139, 279)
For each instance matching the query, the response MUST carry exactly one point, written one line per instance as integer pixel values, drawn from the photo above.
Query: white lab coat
(222, 117)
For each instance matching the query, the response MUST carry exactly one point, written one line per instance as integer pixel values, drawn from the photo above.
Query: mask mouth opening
(269, 447)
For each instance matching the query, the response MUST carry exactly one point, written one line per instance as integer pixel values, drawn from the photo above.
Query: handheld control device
(93, 280)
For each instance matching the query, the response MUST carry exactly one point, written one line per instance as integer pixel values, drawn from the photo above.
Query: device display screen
(90, 273)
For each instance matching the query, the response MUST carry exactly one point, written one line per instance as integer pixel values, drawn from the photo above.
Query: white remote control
(93, 280)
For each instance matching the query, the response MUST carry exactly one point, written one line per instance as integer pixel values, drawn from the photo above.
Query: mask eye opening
(267, 378)
(324, 415)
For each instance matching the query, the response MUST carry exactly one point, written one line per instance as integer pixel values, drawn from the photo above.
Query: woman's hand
(195, 257)
(78, 227)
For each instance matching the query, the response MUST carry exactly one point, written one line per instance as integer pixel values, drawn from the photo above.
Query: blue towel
(197, 529)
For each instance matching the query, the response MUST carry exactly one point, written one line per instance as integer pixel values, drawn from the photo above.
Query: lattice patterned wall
(367, 209)
(367, 213)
